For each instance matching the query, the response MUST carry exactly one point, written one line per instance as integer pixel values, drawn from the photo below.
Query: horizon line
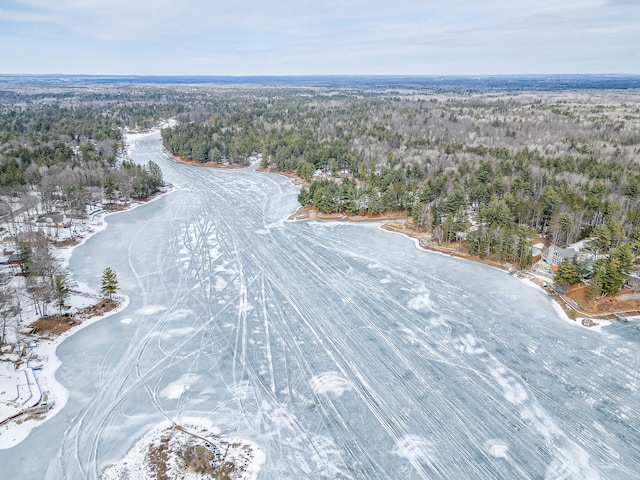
(410, 75)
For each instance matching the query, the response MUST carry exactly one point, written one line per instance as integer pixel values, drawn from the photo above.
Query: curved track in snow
(339, 349)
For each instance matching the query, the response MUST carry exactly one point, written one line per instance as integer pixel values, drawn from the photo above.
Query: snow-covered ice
(339, 350)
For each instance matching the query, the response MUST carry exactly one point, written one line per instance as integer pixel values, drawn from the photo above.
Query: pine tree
(156, 175)
(26, 257)
(264, 160)
(108, 187)
(109, 283)
(613, 278)
(595, 284)
(566, 273)
(61, 293)
(608, 276)
(624, 255)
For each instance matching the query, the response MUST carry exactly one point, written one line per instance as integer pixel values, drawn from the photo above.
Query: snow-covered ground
(175, 442)
(338, 350)
(34, 380)
(44, 380)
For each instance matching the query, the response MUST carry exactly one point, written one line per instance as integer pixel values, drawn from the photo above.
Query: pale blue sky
(297, 37)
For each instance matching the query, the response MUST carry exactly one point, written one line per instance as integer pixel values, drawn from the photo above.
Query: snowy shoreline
(12, 433)
(244, 456)
(601, 323)
(15, 431)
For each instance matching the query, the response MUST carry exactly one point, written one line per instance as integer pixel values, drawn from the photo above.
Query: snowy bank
(596, 324)
(13, 433)
(44, 385)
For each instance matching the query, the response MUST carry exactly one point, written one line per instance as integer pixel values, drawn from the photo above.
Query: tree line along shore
(502, 177)
(489, 172)
(63, 165)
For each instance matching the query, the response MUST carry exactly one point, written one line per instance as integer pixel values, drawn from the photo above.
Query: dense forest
(494, 170)
(66, 147)
(60, 151)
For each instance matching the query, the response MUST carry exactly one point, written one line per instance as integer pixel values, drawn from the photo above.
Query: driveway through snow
(339, 350)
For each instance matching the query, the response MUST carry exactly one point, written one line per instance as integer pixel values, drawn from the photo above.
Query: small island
(191, 450)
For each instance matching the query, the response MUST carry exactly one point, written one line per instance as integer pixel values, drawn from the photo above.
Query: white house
(554, 254)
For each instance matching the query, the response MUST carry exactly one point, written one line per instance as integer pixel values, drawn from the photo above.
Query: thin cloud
(350, 36)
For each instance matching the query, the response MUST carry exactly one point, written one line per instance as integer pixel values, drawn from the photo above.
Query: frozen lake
(339, 349)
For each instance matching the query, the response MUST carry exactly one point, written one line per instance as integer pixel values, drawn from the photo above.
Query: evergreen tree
(264, 159)
(613, 278)
(566, 274)
(305, 171)
(108, 187)
(109, 283)
(304, 197)
(61, 293)
(595, 284)
(26, 257)
(602, 239)
(624, 255)
(156, 175)
(608, 276)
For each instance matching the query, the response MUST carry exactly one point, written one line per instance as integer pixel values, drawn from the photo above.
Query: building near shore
(554, 255)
